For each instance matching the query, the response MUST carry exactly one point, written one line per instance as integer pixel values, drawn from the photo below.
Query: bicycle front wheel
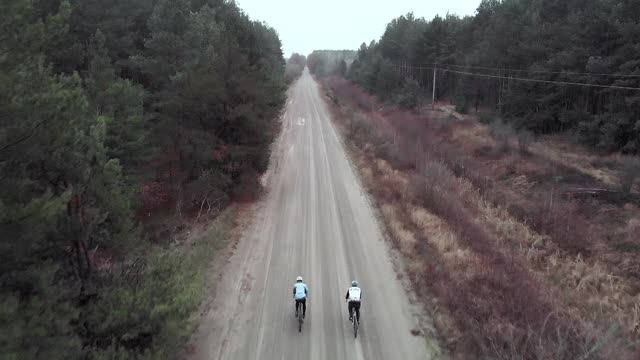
(355, 323)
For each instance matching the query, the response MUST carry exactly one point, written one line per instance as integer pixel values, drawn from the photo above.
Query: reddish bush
(346, 90)
(154, 193)
(501, 309)
(561, 220)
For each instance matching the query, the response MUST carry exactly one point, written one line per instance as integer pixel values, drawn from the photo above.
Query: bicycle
(355, 321)
(299, 315)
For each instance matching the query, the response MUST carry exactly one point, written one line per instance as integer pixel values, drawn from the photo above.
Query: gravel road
(316, 222)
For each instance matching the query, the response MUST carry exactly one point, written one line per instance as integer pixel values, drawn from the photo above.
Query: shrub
(463, 108)
(524, 140)
(502, 134)
(630, 172)
(145, 305)
(487, 117)
(292, 72)
(438, 174)
(432, 184)
(501, 310)
(359, 127)
(409, 97)
(561, 220)
(344, 89)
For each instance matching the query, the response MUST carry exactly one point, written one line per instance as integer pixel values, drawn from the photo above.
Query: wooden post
(433, 94)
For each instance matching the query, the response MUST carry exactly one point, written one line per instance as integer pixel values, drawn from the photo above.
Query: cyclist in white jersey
(354, 297)
(300, 292)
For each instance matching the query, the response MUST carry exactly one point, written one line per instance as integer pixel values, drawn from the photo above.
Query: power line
(536, 71)
(524, 79)
(545, 81)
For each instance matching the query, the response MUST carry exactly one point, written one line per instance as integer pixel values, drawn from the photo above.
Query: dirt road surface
(316, 222)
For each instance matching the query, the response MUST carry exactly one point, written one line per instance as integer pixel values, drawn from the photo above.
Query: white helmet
(299, 279)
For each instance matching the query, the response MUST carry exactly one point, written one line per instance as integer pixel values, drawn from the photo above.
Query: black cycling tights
(304, 305)
(356, 305)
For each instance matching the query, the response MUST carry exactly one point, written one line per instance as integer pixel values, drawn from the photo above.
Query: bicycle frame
(299, 312)
(355, 322)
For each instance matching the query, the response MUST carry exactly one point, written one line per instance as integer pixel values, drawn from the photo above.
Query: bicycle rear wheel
(299, 323)
(299, 313)
(355, 323)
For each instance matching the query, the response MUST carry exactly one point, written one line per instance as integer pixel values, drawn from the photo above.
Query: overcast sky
(341, 24)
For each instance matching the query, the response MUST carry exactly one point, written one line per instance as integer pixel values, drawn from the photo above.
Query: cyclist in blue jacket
(300, 292)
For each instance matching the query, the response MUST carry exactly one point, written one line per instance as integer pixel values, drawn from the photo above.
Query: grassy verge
(150, 303)
(510, 263)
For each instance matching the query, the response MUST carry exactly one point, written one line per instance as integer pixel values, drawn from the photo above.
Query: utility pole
(433, 95)
(501, 84)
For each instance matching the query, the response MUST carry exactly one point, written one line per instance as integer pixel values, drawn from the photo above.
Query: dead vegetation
(509, 260)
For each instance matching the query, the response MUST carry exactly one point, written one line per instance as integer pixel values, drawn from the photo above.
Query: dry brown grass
(476, 136)
(581, 282)
(403, 235)
(480, 233)
(577, 157)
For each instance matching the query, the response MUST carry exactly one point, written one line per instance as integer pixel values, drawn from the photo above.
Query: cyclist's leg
(357, 306)
(349, 307)
(304, 307)
(297, 306)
